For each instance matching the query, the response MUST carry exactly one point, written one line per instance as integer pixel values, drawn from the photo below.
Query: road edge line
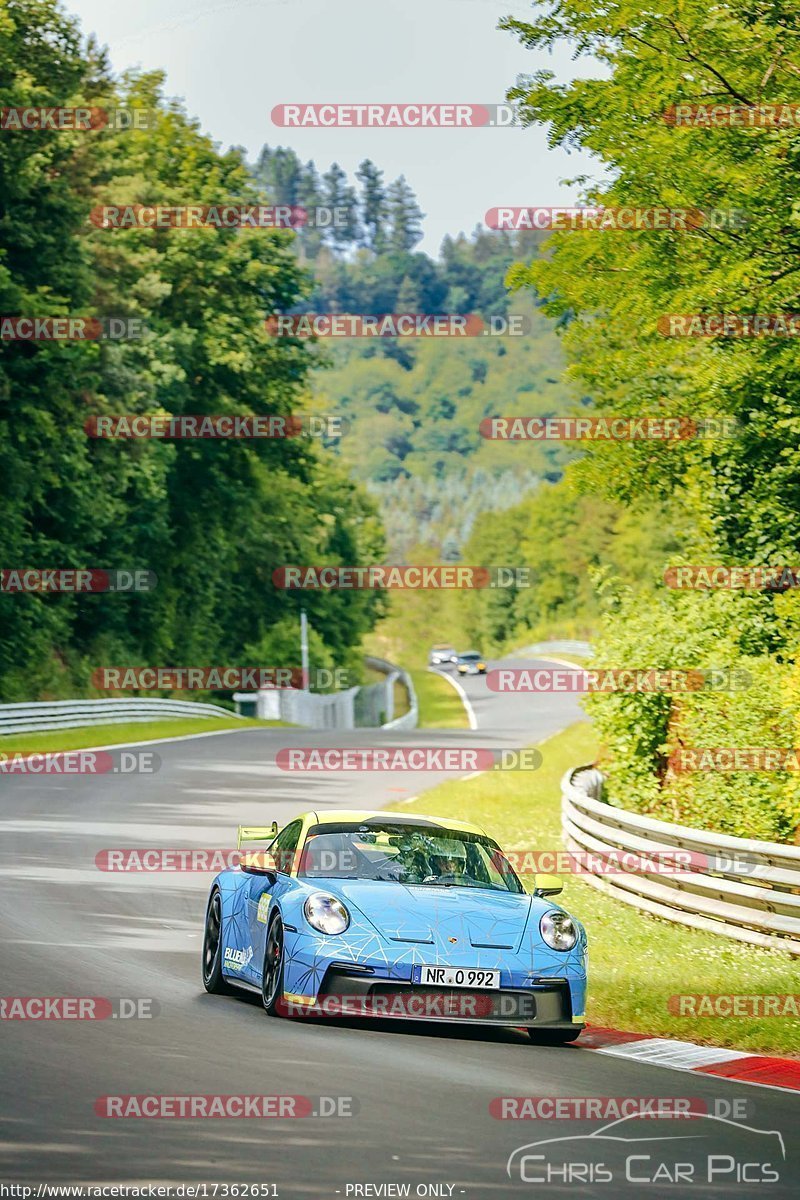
(470, 711)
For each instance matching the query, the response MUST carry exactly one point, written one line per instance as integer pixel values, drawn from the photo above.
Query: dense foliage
(211, 519)
(738, 497)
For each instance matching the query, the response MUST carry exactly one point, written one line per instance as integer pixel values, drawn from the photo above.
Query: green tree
(374, 212)
(341, 197)
(736, 497)
(405, 217)
(280, 174)
(310, 196)
(212, 519)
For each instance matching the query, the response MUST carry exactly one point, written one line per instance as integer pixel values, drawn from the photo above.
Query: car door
(264, 890)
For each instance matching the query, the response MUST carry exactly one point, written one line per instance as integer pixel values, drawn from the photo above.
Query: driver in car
(448, 859)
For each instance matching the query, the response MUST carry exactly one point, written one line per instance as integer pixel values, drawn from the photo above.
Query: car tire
(213, 979)
(553, 1037)
(272, 973)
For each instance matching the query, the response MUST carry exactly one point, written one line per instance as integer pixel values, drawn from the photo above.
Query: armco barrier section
(371, 706)
(410, 719)
(69, 714)
(747, 890)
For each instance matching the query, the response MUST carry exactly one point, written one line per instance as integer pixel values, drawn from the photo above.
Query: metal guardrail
(371, 706)
(410, 719)
(70, 714)
(744, 889)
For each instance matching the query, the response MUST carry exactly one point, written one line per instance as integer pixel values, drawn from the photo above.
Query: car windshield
(470, 657)
(418, 855)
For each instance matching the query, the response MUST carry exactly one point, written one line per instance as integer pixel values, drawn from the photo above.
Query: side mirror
(259, 862)
(547, 885)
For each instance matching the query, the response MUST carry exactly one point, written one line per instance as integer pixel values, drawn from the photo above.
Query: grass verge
(440, 705)
(134, 731)
(636, 962)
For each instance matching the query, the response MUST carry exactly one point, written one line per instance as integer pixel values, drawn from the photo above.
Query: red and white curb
(738, 1065)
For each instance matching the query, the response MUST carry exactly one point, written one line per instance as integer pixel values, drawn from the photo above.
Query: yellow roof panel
(334, 816)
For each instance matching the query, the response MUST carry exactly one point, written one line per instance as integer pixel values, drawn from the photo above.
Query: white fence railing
(70, 714)
(312, 710)
(370, 706)
(748, 890)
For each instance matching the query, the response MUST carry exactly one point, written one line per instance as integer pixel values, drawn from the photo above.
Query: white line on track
(473, 720)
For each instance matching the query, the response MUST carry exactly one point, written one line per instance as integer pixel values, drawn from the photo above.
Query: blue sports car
(374, 913)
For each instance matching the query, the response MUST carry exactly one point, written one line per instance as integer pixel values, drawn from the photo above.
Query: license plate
(468, 977)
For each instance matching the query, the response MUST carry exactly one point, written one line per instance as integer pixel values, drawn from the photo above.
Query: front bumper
(351, 993)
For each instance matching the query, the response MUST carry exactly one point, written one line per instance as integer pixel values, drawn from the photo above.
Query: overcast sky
(233, 60)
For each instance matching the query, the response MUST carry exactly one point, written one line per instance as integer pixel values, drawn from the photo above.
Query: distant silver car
(471, 663)
(442, 656)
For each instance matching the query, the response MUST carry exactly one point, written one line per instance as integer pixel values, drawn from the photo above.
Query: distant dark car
(471, 663)
(442, 656)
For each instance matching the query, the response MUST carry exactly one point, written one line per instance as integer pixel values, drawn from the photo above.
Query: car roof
(339, 816)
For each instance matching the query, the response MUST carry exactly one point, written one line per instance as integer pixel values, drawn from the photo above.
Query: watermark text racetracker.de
(724, 577)
(611, 1108)
(726, 116)
(736, 1004)
(730, 325)
(626, 219)
(79, 762)
(445, 1006)
(224, 426)
(78, 1008)
(20, 328)
(408, 115)
(448, 576)
(205, 1106)
(219, 678)
(691, 759)
(605, 429)
(74, 580)
(673, 861)
(219, 216)
(617, 679)
(391, 325)
(85, 119)
(405, 758)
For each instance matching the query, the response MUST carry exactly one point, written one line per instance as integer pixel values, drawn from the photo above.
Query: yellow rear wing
(255, 833)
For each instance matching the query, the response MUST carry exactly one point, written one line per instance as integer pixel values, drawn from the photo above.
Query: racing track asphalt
(423, 1091)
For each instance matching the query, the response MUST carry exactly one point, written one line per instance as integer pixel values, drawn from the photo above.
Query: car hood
(428, 915)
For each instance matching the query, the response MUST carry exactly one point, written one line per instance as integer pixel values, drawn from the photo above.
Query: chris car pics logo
(716, 1151)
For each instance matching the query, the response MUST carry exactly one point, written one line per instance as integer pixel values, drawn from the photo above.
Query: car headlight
(558, 930)
(326, 913)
